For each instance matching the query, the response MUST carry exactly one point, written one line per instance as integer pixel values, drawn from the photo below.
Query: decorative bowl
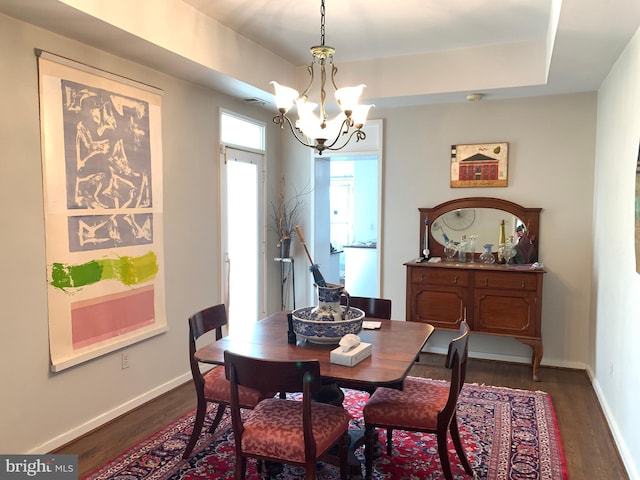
(307, 325)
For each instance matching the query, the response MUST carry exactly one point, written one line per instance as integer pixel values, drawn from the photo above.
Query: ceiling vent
(255, 101)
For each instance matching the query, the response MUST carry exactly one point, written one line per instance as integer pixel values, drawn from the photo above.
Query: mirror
(482, 222)
(479, 216)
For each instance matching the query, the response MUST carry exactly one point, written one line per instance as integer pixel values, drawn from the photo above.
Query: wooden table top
(395, 347)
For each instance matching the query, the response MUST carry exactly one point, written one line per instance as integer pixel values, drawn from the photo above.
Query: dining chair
(372, 307)
(298, 432)
(212, 386)
(422, 406)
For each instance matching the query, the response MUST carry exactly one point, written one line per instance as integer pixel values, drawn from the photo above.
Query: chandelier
(322, 133)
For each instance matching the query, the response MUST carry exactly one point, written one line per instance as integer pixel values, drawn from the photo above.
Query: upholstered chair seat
(217, 389)
(274, 429)
(415, 406)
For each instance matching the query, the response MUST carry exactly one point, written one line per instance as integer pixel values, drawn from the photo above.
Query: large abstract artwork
(102, 175)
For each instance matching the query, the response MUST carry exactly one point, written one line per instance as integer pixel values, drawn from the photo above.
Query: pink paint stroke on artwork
(102, 318)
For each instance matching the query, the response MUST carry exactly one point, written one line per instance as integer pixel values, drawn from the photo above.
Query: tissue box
(352, 357)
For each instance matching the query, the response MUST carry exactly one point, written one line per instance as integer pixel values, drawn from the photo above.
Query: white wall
(616, 285)
(41, 410)
(551, 157)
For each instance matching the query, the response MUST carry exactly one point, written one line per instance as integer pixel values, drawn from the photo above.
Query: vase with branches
(285, 213)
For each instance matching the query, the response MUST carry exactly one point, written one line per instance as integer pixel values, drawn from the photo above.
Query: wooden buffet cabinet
(496, 299)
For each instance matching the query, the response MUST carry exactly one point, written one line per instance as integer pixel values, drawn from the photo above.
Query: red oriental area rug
(508, 435)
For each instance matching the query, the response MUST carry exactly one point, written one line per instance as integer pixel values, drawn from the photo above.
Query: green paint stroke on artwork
(132, 271)
(66, 276)
(126, 269)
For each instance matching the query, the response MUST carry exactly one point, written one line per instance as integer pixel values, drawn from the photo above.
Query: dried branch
(285, 212)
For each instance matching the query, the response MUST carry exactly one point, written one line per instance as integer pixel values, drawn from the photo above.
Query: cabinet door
(437, 296)
(442, 307)
(508, 312)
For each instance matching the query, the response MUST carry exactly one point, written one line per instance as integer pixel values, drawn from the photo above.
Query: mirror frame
(529, 216)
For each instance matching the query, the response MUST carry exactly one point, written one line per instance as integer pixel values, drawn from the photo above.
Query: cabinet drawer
(437, 276)
(507, 280)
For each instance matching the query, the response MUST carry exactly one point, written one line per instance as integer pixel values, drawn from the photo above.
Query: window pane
(240, 131)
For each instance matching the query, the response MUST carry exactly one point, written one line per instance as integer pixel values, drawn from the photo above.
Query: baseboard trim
(102, 419)
(514, 359)
(627, 459)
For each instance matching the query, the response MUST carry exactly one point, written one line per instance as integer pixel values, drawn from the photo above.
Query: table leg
(330, 393)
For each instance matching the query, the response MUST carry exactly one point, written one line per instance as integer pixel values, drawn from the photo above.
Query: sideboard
(495, 299)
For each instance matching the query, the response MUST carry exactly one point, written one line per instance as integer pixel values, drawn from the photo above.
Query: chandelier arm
(360, 135)
(311, 78)
(334, 70)
(344, 129)
(280, 121)
(323, 95)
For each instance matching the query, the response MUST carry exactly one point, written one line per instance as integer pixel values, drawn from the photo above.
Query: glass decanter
(487, 256)
(509, 251)
(471, 253)
(462, 249)
(450, 251)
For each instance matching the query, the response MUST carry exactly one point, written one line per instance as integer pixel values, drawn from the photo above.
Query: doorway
(242, 223)
(347, 212)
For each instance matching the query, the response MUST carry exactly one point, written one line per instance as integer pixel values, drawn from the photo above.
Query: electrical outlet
(125, 360)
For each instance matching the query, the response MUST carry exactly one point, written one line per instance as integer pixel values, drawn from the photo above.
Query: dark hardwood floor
(589, 448)
(99, 446)
(588, 445)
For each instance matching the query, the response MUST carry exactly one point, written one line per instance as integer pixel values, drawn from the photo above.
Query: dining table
(395, 346)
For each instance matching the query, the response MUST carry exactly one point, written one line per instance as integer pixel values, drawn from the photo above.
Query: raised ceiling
(407, 52)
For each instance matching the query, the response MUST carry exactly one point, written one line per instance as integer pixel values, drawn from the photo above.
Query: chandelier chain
(322, 11)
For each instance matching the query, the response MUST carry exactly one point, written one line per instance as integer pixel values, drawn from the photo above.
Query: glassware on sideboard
(487, 256)
(472, 248)
(450, 251)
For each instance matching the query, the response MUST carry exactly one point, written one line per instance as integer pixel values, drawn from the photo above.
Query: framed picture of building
(102, 182)
(479, 165)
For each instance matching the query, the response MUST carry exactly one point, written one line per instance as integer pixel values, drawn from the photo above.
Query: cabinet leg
(536, 357)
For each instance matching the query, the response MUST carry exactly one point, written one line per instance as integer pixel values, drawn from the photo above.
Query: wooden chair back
(272, 375)
(372, 307)
(457, 361)
(211, 318)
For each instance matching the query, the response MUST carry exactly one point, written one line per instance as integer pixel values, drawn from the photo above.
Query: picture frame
(479, 165)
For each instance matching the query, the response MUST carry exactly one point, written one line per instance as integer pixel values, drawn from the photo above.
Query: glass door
(242, 242)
